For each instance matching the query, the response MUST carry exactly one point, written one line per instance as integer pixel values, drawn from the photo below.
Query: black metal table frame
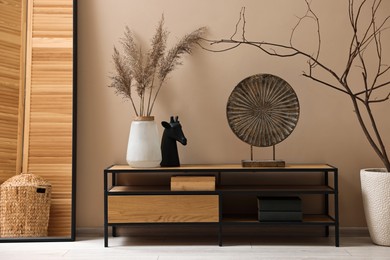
(220, 193)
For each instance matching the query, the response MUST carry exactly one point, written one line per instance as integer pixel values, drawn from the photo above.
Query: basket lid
(25, 179)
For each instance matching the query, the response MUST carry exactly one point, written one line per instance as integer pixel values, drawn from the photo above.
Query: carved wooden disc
(262, 110)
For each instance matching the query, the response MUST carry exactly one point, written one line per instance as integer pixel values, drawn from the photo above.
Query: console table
(151, 204)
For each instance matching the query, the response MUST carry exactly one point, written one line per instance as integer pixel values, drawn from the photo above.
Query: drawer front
(163, 208)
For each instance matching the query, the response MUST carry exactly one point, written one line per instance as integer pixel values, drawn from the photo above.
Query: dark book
(279, 203)
(280, 216)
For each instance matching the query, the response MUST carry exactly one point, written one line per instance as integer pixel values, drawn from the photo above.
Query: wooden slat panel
(49, 94)
(163, 208)
(59, 217)
(11, 83)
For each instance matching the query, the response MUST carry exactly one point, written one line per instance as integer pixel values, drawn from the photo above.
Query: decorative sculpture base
(263, 163)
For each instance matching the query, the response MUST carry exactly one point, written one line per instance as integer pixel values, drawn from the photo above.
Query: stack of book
(276, 209)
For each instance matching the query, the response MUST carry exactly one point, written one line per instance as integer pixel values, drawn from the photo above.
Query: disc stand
(263, 163)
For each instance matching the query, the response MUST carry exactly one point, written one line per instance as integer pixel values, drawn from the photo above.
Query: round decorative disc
(262, 110)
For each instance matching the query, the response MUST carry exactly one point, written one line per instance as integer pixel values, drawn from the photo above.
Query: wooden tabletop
(224, 167)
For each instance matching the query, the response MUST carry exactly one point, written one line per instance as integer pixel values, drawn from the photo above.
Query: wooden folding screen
(49, 121)
(11, 86)
(37, 101)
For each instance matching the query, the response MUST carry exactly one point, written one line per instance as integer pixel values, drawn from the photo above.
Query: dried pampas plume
(146, 72)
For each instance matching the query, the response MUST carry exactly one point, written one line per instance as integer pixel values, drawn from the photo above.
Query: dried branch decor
(145, 73)
(365, 41)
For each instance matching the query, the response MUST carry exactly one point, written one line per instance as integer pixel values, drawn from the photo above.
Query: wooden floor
(145, 248)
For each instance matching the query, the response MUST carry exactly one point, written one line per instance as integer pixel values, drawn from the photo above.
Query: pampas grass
(144, 74)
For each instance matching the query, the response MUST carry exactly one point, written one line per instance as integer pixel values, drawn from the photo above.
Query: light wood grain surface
(49, 114)
(222, 167)
(163, 208)
(193, 183)
(12, 26)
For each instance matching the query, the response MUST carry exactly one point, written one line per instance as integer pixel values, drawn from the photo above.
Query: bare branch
(311, 15)
(324, 83)
(385, 70)
(351, 12)
(378, 49)
(374, 88)
(364, 76)
(363, 37)
(380, 100)
(379, 147)
(238, 23)
(355, 21)
(367, 39)
(243, 25)
(355, 45)
(221, 50)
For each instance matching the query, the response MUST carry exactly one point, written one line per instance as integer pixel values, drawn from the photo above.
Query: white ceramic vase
(375, 184)
(143, 149)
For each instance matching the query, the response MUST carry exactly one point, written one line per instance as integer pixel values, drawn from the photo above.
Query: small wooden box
(193, 183)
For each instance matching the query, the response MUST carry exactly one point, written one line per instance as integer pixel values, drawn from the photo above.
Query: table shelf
(231, 188)
(308, 219)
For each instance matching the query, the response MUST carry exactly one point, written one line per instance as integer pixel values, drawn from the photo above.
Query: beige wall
(327, 130)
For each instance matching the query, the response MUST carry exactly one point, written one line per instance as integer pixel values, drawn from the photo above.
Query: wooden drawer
(163, 208)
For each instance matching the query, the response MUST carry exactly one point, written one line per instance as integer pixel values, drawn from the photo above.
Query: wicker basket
(24, 206)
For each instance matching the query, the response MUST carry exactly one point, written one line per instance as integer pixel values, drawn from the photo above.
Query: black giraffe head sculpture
(172, 133)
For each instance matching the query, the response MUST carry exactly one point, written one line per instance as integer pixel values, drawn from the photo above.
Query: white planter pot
(375, 184)
(143, 149)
